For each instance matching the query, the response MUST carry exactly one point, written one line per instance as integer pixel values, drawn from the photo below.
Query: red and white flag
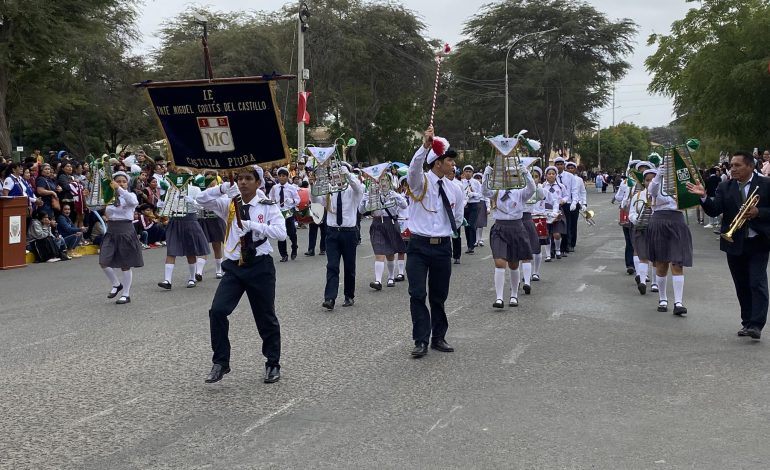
(302, 114)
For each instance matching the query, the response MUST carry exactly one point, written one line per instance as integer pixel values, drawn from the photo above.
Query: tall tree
(617, 144)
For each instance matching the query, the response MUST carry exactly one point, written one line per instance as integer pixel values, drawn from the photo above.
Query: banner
(684, 198)
(302, 114)
(220, 124)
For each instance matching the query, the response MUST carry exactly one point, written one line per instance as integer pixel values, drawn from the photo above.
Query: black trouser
(629, 255)
(572, 226)
(749, 271)
(471, 214)
(457, 246)
(340, 242)
(258, 281)
(431, 264)
(314, 234)
(291, 234)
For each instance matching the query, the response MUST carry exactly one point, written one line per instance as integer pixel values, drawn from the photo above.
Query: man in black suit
(747, 255)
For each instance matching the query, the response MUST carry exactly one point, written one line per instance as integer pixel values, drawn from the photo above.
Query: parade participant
(747, 252)
(623, 197)
(582, 203)
(669, 243)
(554, 200)
(532, 206)
(539, 216)
(569, 207)
(640, 211)
(248, 268)
(286, 196)
(120, 247)
(434, 215)
(315, 228)
(213, 227)
(341, 238)
(473, 205)
(457, 239)
(483, 213)
(508, 238)
(184, 237)
(385, 236)
(403, 222)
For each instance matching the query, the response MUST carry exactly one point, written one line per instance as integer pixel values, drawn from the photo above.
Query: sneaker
(708, 226)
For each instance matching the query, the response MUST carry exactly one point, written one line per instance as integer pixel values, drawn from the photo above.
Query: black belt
(431, 240)
(341, 229)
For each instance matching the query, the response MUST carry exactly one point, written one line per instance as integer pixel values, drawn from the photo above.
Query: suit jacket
(728, 201)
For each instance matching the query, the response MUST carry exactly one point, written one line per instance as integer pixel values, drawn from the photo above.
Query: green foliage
(714, 64)
(617, 144)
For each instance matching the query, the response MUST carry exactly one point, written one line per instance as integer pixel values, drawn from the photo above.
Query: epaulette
(267, 202)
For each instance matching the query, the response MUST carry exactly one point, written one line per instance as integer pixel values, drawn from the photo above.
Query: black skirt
(529, 226)
(213, 229)
(120, 246)
(385, 236)
(185, 237)
(510, 241)
(668, 238)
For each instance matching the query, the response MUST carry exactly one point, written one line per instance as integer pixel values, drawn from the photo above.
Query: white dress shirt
(582, 193)
(351, 198)
(472, 190)
(621, 195)
(401, 204)
(556, 197)
(290, 196)
(125, 211)
(567, 180)
(427, 217)
(659, 201)
(266, 218)
(512, 208)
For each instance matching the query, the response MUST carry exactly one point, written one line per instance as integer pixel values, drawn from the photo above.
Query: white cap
(572, 164)
(468, 167)
(559, 160)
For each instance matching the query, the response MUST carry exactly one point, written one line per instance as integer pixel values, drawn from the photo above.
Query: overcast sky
(445, 18)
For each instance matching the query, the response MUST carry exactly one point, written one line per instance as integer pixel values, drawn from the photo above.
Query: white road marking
(600, 269)
(367, 257)
(95, 415)
(441, 423)
(514, 355)
(581, 288)
(43, 341)
(556, 314)
(266, 419)
(487, 257)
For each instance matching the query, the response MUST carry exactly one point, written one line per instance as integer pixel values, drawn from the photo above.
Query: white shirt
(428, 217)
(401, 204)
(290, 196)
(161, 187)
(534, 205)
(459, 185)
(567, 180)
(621, 195)
(351, 198)
(659, 201)
(269, 221)
(472, 190)
(512, 208)
(556, 197)
(125, 211)
(582, 193)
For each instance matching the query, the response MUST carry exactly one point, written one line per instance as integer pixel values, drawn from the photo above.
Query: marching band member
(569, 208)
(341, 237)
(555, 200)
(623, 197)
(582, 201)
(528, 268)
(286, 196)
(385, 238)
(120, 247)
(669, 242)
(484, 210)
(314, 227)
(435, 213)
(403, 220)
(248, 268)
(213, 228)
(508, 238)
(640, 210)
(539, 212)
(457, 239)
(473, 195)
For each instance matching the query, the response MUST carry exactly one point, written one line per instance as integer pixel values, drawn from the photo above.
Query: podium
(13, 232)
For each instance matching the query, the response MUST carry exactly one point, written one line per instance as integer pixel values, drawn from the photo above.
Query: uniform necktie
(742, 190)
(245, 215)
(506, 195)
(281, 196)
(447, 208)
(551, 190)
(339, 209)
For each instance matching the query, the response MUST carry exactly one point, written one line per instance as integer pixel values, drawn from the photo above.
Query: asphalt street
(584, 374)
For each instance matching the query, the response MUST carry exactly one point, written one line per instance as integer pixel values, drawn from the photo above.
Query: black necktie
(281, 196)
(742, 190)
(247, 243)
(447, 208)
(552, 190)
(339, 209)
(506, 195)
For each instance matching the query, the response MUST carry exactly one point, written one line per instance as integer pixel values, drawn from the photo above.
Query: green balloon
(693, 144)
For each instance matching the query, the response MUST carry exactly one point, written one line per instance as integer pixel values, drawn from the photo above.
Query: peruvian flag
(302, 114)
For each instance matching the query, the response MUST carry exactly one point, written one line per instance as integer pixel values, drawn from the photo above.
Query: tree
(714, 65)
(618, 143)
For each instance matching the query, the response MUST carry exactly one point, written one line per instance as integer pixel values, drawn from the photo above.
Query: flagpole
(301, 72)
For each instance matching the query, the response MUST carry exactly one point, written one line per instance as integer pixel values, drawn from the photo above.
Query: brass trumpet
(740, 218)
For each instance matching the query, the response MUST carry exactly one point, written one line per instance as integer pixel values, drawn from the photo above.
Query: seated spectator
(73, 235)
(99, 228)
(41, 240)
(152, 231)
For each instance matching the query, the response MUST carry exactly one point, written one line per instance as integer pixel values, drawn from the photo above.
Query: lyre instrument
(100, 193)
(378, 186)
(175, 202)
(644, 213)
(742, 216)
(328, 177)
(680, 169)
(510, 153)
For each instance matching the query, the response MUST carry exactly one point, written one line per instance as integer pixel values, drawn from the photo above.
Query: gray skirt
(481, 215)
(120, 246)
(560, 226)
(213, 229)
(385, 236)
(510, 241)
(185, 237)
(529, 226)
(668, 238)
(639, 242)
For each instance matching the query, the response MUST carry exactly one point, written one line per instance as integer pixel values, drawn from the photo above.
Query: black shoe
(513, 302)
(198, 277)
(680, 310)
(420, 350)
(284, 259)
(272, 374)
(310, 253)
(322, 253)
(630, 271)
(535, 277)
(165, 284)
(348, 302)
(470, 252)
(743, 332)
(498, 304)
(293, 257)
(527, 289)
(558, 256)
(328, 304)
(457, 261)
(663, 306)
(391, 283)
(115, 290)
(754, 332)
(191, 284)
(217, 372)
(375, 285)
(441, 345)
(124, 299)
(654, 288)
(564, 254)
(399, 278)
(642, 288)
(638, 278)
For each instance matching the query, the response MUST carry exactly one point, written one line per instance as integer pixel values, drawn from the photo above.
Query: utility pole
(302, 73)
(613, 106)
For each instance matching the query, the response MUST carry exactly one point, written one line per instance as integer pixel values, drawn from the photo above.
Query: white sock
(536, 264)
(480, 234)
(379, 267)
(661, 282)
(526, 269)
(201, 263)
(642, 271)
(515, 283)
(499, 282)
(191, 267)
(111, 276)
(558, 245)
(636, 264)
(391, 264)
(219, 265)
(128, 278)
(678, 282)
(169, 272)
(401, 266)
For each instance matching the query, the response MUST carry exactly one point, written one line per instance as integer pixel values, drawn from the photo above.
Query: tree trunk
(5, 125)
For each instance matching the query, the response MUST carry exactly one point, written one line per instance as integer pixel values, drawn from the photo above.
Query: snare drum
(405, 233)
(541, 225)
(303, 215)
(623, 217)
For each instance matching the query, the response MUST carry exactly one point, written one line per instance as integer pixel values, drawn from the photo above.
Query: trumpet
(588, 215)
(742, 215)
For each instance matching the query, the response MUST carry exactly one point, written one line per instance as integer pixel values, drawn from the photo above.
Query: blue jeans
(71, 241)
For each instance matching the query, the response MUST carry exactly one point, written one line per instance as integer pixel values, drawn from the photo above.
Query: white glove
(523, 169)
(254, 226)
(232, 191)
(190, 199)
(344, 170)
(584, 206)
(573, 206)
(488, 170)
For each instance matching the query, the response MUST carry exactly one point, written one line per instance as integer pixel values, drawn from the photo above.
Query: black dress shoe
(680, 309)
(498, 304)
(457, 261)
(272, 374)
(527, 289)
(124, 299)
(375, 285)
(322, 253)
(630, 271)
(642, 288)
(293, 255)
(115, 291)
(348, 302)
(328, 303)
(663, 306)
(310, 253)
(441, 345)
(399, 278)
(217, 372)
(743, 332)
(564, 254)
(165, 284)
(420, 350)
(284, 259)
(470, 252)
(753, 332)
(198, 277)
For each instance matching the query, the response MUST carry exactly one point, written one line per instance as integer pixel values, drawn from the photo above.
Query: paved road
(585, 374)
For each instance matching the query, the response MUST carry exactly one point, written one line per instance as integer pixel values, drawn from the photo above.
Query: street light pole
(516, 42)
